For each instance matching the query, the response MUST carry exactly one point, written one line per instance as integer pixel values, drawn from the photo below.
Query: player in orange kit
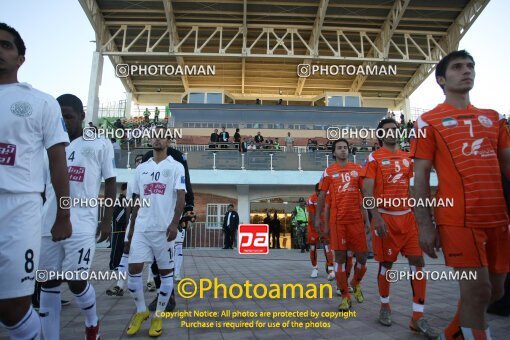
(387, 176)
(469, 148)
(343, 219)
(314, 238)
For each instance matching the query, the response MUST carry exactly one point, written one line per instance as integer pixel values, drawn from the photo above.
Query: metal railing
(203, 235)
(251, 160)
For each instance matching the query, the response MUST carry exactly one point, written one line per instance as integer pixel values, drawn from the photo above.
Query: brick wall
(202, 199)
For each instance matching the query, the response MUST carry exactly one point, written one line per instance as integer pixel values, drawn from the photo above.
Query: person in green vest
(156, 115)
(299, 218)
(146, 115)
(276, 144)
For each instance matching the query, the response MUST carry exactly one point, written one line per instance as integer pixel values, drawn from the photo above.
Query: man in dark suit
(244, 146)
(230, 225)
(215, 138)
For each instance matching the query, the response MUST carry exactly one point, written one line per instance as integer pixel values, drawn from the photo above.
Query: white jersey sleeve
(108, 161)
(135, 181)
(54, 127)
(180, 177)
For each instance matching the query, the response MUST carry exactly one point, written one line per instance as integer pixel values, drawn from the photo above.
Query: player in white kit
(30, 125)
(153, 228)
(88, 161)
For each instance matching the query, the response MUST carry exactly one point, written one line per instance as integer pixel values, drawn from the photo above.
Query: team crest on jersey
(87, 152)
(166, 173)
(354, 173)
(485, 121)
(450, 122)
(385, 162)
(335, 175)
(406, 163)
(21, 109)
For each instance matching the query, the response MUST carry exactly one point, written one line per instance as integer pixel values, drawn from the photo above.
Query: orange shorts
(402, 238)
(349, 237)
(477, 247)
(314, 237)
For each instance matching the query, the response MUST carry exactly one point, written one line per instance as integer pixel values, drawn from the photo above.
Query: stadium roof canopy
(257, 45)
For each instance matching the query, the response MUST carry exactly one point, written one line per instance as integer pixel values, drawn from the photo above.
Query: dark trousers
(228, 237)
(117, 243)
(275, 239)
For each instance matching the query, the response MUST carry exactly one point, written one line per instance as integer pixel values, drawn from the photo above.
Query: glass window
(352, 101)
(335, 101)
(214, 98)
(196, 98)
(215, 213)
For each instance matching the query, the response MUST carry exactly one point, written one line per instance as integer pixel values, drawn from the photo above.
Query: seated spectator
(309, 144)
(258, 138)
(252, 146)
(329, 145)
(276, 144)
(173, 143)
(375, 146)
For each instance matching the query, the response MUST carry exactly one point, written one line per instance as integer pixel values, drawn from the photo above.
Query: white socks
(49, 312)
(123, 269)
(86, 300)
(178, 259)
(29, 327)
(135, 287)
(165, 290)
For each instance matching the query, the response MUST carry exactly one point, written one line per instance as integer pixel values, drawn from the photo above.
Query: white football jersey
(158, 183)
(87, 163)
(31, 121)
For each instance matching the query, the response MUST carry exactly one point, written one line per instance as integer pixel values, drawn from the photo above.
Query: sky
(58, 37)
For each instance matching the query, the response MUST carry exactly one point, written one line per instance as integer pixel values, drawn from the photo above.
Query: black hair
(230, 205)
(384, 122)
(442, 66)
(72, 101)
(123, 186)
(18, 41)
(333, 146)
(317, 187)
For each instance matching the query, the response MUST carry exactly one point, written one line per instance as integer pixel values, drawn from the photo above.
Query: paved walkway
(280, 266)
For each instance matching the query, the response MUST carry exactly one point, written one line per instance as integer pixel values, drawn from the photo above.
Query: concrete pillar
(129, 100)
(96, 74)
(406, 108)
(243, 203)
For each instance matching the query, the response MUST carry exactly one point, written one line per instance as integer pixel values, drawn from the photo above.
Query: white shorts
(147, 245)
(20, 243)
(180, 236)
(74, 254)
